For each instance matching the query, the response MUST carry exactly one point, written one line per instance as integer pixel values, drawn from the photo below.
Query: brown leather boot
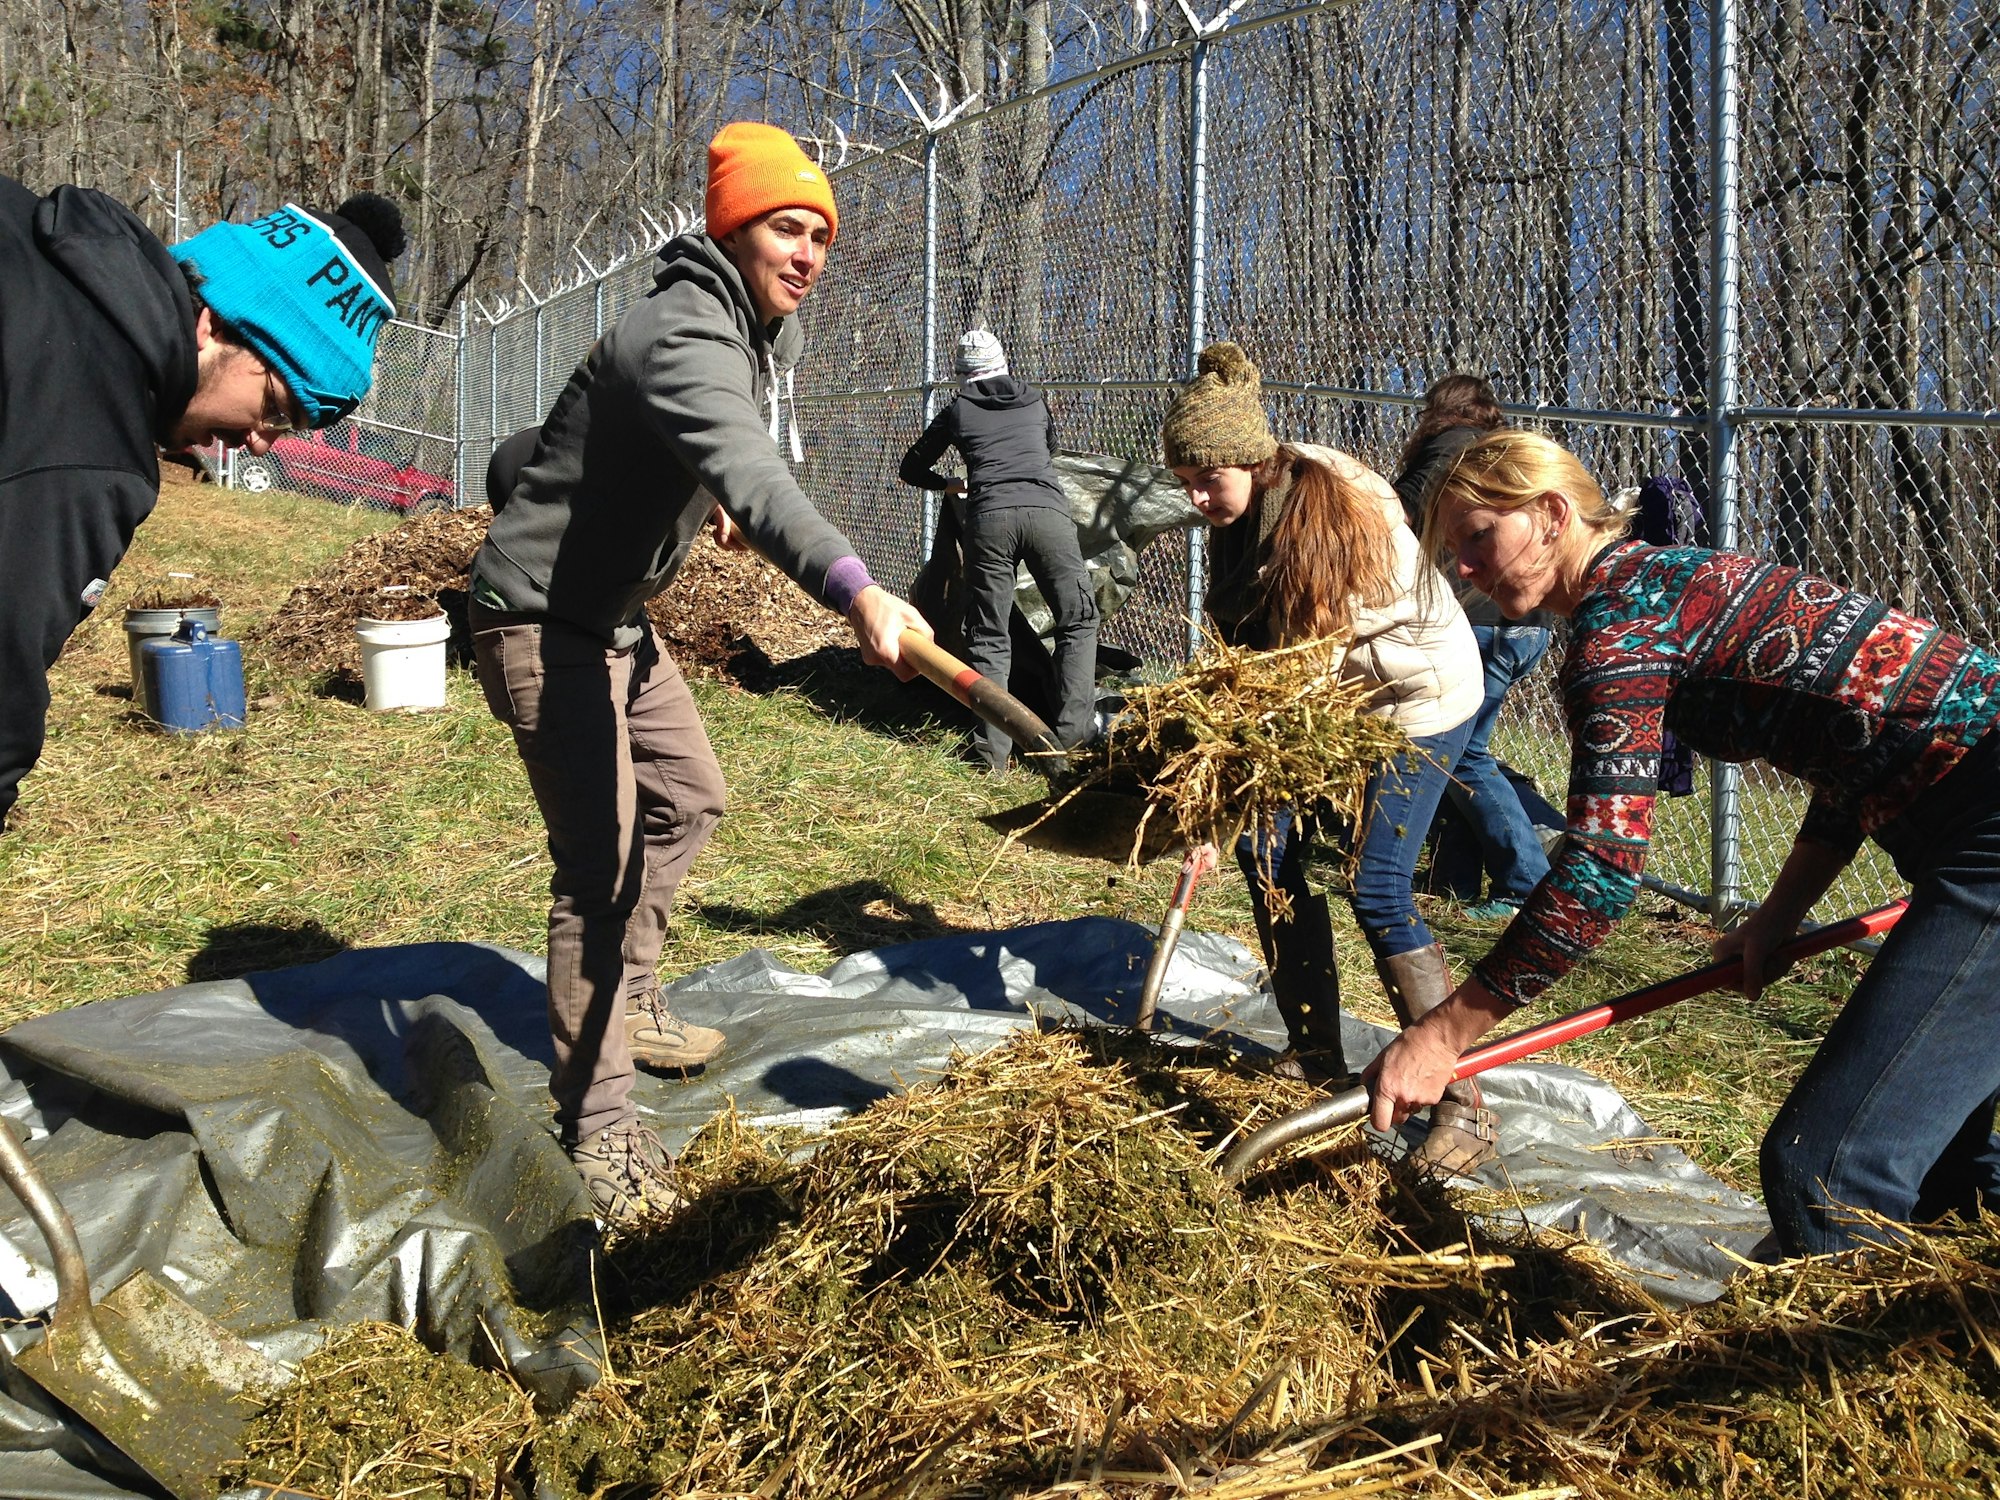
(1464, 1134)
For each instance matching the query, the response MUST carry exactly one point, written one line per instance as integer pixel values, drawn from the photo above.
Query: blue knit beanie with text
(307, 290)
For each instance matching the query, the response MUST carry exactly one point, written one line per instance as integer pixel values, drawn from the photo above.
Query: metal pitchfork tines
(1351, 1105)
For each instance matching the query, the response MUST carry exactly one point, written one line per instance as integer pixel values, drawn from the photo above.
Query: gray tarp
(368, 1137)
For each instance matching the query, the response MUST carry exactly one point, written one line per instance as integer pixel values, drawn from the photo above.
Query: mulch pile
(1027, 1280)
(728, 614)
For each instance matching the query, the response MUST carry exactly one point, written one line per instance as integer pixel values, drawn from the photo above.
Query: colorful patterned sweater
(1743, 660)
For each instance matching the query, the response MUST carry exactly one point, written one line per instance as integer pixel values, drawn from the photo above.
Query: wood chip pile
(721, 603)
(1026, 1280)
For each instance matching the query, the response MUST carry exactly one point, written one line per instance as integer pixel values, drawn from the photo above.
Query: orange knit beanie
(753, 169)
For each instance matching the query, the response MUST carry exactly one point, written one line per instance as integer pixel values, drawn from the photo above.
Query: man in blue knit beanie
(113, 345)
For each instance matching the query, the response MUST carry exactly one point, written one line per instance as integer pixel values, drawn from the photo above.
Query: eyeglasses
(280, 415)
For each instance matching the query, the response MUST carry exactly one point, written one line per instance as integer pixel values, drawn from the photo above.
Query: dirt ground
(729, 614)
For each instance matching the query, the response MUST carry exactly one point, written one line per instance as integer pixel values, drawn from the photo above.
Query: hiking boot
(631, 1177)
(657, 1038)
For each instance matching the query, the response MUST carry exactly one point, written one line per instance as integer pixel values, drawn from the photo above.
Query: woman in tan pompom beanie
(1311, 542)
(1218, 420)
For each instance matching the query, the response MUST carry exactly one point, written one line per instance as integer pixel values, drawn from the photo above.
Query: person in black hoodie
(111, 345)
(1016, 512)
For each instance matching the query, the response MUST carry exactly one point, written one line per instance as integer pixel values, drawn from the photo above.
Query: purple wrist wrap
(844, 582)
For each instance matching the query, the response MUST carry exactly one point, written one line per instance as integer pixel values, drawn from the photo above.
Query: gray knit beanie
(980, 355)
(1217, 421)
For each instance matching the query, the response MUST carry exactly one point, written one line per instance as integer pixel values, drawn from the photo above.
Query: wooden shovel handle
(983, 696)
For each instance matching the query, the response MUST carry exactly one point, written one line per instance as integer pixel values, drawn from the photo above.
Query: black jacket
(97, 363)
(1003, 429)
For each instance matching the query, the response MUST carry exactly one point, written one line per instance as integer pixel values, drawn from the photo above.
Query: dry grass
(1026, 1280)
(1241, 737)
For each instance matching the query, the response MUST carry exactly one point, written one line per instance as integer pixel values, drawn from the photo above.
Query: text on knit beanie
(980, 355)
(754, 169)
(1217, 421)
(307, 290)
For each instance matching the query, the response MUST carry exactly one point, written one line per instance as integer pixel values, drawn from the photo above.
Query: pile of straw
(1241, 736)
(1026, 1281)
(375, 1413)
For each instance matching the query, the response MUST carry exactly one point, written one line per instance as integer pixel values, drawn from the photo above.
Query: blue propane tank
(193, 682)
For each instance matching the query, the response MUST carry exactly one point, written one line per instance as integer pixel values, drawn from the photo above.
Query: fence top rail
(1865, 416)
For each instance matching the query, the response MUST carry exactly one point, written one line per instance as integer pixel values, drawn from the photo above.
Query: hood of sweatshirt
(697, 258)
(999, 392)
(117, 263)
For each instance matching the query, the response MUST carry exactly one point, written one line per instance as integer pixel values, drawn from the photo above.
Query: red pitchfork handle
(1347, 1107)
(1671, 992)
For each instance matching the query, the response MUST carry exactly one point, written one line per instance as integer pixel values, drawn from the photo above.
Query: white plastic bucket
(402, 662)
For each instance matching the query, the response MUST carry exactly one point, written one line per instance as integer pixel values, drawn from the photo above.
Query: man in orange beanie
(663, 424)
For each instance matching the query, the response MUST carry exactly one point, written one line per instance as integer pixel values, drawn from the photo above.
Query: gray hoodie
(663, 418)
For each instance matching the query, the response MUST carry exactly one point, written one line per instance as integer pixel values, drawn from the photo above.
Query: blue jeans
(1397, 806)
(1479, 789)
(1895, 1111)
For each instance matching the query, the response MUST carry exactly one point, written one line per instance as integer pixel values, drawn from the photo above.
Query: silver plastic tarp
(368, 1137)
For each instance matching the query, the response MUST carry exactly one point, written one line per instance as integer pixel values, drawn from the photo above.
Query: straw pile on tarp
(721, 603)
(1026, 1280)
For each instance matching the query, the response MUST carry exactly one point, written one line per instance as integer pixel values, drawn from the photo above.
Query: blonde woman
(1310, 542)
(1886, 717)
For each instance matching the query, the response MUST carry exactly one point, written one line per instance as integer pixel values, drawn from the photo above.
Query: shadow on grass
(340, 687)
(836, 682)
(241, 948)
(849, 918)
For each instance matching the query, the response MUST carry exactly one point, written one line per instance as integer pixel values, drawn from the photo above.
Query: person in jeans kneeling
(661, 429)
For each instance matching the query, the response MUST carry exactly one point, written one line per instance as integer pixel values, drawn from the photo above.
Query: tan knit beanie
(1217, 421)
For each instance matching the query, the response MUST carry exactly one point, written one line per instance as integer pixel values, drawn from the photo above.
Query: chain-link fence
(1754, 252)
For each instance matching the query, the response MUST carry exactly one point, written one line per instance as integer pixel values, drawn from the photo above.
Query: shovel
(983, 696)
(164, 1384)
(1200, 861)
(1351, 1105)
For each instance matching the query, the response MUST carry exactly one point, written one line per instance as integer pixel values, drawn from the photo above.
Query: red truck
(348, 464)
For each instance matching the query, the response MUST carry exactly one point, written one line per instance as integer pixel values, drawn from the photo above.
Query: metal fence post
(1197, 211)
(1724, 398)
(930, 323)
(458, 412)
(492, 385)
(540, 356)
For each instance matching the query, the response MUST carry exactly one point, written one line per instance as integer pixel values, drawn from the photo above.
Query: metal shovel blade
(175, 1392)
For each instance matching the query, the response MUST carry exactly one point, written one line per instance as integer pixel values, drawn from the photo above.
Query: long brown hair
(1332, 548)
(1457, 400)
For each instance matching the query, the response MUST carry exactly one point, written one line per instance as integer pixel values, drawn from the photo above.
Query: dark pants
(1479, 789)
(1396, 808)
(623, 774)
(1895, 1111)
(996, 542)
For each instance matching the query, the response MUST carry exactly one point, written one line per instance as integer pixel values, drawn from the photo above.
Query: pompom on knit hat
(980, 355)
(1217, 421)
(308, 291)
(754, 169)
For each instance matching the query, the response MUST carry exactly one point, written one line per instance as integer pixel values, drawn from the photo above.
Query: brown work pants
(629, 789)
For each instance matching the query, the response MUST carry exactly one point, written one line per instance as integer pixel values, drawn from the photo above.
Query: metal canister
(193, 681)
